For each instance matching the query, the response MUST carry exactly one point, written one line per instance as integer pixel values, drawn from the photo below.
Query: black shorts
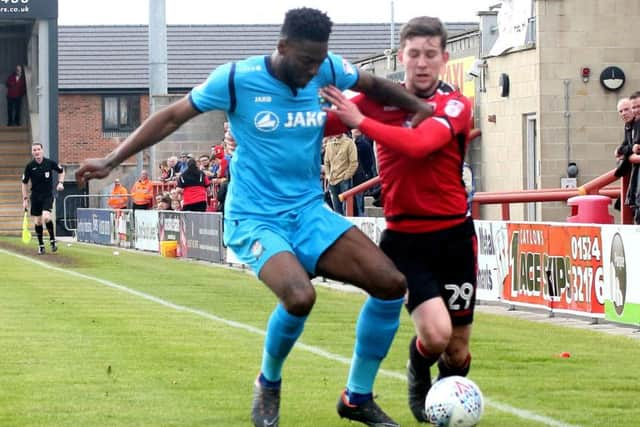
(41, 203)
(438, 264)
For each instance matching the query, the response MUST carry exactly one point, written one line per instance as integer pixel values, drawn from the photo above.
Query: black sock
(449, 371)
(419, 361)
(39, 234)
(52, 236)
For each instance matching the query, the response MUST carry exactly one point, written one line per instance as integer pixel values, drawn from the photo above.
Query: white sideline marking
(521, 413)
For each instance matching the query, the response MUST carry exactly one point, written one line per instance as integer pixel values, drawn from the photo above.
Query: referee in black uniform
(40, 172)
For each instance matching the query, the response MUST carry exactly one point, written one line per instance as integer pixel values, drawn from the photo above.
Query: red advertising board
(556, 266)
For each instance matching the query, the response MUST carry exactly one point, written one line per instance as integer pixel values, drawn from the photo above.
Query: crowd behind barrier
(578, 269)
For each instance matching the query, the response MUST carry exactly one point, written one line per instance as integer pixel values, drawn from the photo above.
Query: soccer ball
(454, 402)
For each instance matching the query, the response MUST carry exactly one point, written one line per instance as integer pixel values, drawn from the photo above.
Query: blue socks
(283, 330)
(376, 327)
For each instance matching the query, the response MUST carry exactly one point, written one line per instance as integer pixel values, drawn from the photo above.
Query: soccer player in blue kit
(275, 219)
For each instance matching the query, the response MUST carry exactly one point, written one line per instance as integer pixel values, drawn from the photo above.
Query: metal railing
(76, 201)
(598, 185)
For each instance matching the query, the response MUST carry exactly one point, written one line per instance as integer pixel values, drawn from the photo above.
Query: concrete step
(15, 148)
(14, 134)
(11, 173)
(10, 185)
(14, 159)
(6, 198)
(10, 211)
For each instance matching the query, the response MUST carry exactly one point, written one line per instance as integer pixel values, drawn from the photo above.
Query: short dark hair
(37, 143)
(306, 24)
(635, 95)
(421, 26)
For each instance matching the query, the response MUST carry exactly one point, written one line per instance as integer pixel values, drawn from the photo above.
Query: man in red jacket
(429, 235)
(16, 88)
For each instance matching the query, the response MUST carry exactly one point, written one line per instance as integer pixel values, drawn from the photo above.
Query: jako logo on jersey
(305, 119)
(265, 99)
(266, 121)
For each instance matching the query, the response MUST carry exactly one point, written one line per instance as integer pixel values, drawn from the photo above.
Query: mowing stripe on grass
(521, 413)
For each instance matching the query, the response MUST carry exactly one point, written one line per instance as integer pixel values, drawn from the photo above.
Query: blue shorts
(306, 233)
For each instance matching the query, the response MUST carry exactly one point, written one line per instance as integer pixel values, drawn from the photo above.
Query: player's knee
(436, 340)
(299, 300)
(392, 285)
(457, 355)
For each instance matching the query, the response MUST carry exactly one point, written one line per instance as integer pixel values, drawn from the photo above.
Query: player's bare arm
(389, 93)
(25, 196)
(60, 185)
(158, 126)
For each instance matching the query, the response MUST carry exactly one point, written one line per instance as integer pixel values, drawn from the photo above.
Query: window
(120, 113)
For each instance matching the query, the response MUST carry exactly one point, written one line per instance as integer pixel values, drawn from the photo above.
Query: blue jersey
(278, 131)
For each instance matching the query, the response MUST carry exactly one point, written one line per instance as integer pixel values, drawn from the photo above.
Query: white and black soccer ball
(454, 402)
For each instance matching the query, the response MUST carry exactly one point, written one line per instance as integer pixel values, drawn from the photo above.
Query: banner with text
(556, 266)
(201, 236)
(493, 259)
(94, 226)
(147, 230)
(33, 9)
(621, 246)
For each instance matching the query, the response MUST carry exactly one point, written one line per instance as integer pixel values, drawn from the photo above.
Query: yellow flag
(26, 234)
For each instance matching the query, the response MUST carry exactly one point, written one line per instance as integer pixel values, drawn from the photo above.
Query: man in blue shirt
(275, 218)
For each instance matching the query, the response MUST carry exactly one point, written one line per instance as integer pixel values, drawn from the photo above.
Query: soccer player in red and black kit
(40, 172)
(429, 235)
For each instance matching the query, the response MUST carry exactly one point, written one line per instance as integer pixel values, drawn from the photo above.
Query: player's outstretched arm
(428, 137)
(390, 93)
(153, 130)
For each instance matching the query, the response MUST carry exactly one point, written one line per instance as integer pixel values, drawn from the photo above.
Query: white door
(531, 163)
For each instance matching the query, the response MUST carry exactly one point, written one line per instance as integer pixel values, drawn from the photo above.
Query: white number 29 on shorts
(460, 294)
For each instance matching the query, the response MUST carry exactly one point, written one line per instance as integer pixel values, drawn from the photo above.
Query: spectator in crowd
(183, 163)
(625, 112)
(624, 150)
(204, 164)
(166, 172)
(229, 145)
(340, 164)
(221, 175)
(429, 236)
(220, 164)
(176, 198)
(119, 198)
(274, 218)
(16, 89)
(174, 168)
(163, 202)
(633, 193)
(366, 167)
(142, 192)
(194, 184)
